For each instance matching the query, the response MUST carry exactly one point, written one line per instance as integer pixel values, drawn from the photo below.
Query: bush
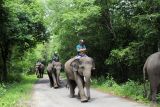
(2, 89)
(133, 90)
(130, 89)
(14, 77)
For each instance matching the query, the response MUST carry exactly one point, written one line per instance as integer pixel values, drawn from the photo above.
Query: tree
(23, 29)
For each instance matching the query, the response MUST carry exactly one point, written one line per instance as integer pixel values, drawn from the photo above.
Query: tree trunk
(4, 72)
(4, 54)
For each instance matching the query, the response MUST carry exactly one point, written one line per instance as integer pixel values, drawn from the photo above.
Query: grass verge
(131, 90)
(11, 93)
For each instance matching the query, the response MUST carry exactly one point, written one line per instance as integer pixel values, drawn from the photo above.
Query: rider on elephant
(55, 57)
(81, 49)
(38, 63)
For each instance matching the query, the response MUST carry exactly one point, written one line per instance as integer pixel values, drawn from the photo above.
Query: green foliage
(12, 92)
(23, 27)
(25, 23)
(137, 36)
(119, 34)
(130, 89)
(133, 89)
(70, 21)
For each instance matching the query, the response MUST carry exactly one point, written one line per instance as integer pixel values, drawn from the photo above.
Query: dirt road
(44, 96)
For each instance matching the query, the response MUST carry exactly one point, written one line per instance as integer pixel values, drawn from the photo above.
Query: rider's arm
(83, 49)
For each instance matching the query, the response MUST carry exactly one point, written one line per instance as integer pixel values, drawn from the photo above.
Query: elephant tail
(144, 80)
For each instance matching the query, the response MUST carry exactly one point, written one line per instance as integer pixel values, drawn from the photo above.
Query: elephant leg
(72, 86)
(83, 85)
(36, 72)
(54, 80)
(38, 75)
(79, 97)
(87, 85)
(42, 74)
(154, 93)
(80, 87)
(50, 79)
(154, 88)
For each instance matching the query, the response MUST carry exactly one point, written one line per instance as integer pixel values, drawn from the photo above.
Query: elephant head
(83, 65)
(58, 66)
(37, 69)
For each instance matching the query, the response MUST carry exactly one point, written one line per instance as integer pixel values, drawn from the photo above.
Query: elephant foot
(84, 99)
(89, 98)
(71, 96)
(56, 86)
(59, 84)
(51, 85)
(78, 95)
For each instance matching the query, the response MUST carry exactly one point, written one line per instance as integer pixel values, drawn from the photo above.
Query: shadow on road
(42, 81)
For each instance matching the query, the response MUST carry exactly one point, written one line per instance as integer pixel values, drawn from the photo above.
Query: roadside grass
(131, 90)
(16, 91)
(63, 75)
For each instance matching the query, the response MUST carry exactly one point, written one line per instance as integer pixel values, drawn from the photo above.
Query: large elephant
(53, 70)
(39, 70)
(78, 72)
(152, 67)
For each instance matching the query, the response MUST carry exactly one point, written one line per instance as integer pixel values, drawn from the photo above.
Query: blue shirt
(79, 46)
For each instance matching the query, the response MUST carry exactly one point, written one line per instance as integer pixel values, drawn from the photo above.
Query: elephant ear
(75, 65)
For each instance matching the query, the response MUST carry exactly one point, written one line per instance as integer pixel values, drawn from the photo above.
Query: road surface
(44, 96)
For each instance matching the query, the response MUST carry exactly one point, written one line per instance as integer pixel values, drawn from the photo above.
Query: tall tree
(22, 27)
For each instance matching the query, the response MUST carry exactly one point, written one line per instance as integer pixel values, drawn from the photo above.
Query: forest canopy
(119, 34)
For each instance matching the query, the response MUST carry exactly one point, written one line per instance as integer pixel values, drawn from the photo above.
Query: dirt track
(44, 96)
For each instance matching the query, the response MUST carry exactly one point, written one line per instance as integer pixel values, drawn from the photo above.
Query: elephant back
(57, 64)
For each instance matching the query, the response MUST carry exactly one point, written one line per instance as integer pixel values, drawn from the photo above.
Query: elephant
(39, 70)
(78, 72)
(57, 67)
(152, 68)
(53, 70)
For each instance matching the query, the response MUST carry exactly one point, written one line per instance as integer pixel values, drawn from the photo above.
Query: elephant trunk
(58, 76)
(87, 77)
(87, 85)
(54, 80)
